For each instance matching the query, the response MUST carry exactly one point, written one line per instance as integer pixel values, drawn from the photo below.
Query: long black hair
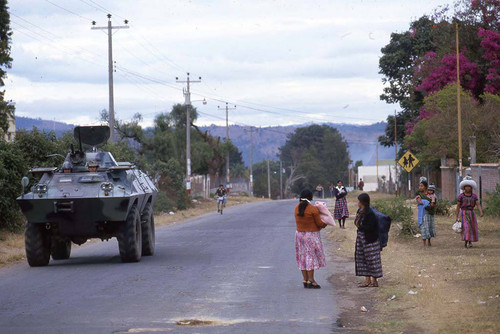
(305, 196)
(364, 199)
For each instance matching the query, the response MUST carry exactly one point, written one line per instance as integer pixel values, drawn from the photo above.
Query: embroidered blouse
(467, 202)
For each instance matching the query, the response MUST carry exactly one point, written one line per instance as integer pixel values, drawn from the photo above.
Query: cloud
(309, 59)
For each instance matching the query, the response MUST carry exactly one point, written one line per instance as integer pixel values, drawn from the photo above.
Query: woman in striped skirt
(466, 203)
(341, 211)
(367, 255)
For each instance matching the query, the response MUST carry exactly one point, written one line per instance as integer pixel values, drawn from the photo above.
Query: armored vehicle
(90, 196)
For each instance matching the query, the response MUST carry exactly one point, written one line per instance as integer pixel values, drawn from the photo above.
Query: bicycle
(220, 204)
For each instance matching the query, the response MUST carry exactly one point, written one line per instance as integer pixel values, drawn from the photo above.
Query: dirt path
(442, 289)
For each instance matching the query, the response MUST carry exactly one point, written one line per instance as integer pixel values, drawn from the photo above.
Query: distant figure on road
(367, 255)
(361, 184)
(466, 203)
(319, 189)
(331, 187)
(308, 247)
(341, 211)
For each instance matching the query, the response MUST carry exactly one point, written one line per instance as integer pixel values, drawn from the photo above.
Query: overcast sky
(291, 61)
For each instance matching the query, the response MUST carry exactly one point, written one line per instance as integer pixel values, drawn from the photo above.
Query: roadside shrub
(163, 203)
(493, 203)
(397, 208)
(443, 207)
(12, 168)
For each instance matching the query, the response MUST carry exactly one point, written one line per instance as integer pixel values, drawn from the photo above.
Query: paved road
(237, 270)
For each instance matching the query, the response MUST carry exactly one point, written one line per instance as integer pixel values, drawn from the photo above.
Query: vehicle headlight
(107, 186)
(41, 188)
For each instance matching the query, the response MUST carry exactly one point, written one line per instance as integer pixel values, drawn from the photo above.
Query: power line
(69, 11)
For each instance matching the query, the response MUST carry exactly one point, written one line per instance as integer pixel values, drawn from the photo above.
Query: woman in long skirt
(308, 247)
(466, 203)
(426, 213)
(341, 211)
(367, 255)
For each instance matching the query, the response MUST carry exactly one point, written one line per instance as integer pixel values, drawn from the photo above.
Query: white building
(386, 173)
(11, 132)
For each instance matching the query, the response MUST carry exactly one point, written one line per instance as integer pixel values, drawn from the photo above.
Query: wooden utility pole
(395, 154)
(228, 179)
(460, 167)
(268, 180)
(252, 130)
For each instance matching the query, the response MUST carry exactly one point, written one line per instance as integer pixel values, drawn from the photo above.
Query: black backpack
(383, 226)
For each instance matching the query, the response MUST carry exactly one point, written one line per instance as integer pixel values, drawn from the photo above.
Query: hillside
(361, 140)
(267, 140)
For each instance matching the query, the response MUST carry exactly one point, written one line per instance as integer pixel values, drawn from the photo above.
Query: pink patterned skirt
(309, 250)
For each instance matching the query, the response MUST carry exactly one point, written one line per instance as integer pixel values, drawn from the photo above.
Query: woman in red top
(308, 246)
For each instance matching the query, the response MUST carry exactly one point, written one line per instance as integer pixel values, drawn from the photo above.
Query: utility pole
(110, 28)
(377, 165)
(252, 130)
(458, 106)
(228, 180)
(268, 180)
(281, 179)
(187, 103)
(395, 154)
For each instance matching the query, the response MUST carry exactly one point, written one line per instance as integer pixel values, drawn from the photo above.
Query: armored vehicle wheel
(130, 237)
(61, 249)
(37, 244)
(148, 231)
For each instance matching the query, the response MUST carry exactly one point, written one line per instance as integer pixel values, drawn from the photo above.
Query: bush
(12, 168)
(493, 203)
(443, 207)
(397, 208)
(163, 203)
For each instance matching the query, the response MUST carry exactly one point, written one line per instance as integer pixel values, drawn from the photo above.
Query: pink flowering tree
(490, 43)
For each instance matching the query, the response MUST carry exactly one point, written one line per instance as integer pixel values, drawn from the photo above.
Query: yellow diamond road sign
(408, 161)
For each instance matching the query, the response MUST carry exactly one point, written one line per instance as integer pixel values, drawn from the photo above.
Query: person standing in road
(341, 211)
(361, 184)
(367, 255)
(466, 203)
(319, 190)
(308, 247)
(331, 187)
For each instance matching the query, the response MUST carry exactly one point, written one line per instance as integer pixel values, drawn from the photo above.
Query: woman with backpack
(367, 255)
(308, 246)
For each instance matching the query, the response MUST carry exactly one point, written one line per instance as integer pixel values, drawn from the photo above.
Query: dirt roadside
(442, 289)
(12, 244)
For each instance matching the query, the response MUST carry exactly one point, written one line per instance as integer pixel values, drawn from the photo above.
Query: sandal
(306, 284)
(313, 285)
(374, 285)
(364, 285)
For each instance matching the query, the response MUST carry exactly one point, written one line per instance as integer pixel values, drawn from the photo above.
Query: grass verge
(457, 289)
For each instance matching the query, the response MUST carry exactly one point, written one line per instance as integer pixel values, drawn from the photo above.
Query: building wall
(11, 132)
(490, 177)
(369, 175)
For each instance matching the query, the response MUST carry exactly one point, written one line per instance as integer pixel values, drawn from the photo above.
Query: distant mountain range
(266, 141)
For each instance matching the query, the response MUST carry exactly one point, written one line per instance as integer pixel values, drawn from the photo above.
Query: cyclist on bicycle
(221, 197)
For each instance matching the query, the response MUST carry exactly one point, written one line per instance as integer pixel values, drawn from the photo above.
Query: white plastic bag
(457, 227)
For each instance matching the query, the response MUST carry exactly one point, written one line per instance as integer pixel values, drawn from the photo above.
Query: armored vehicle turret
(90, 196)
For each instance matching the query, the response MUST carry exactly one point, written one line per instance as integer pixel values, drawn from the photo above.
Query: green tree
(260, 188)
(6, 107)
(314, 154)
